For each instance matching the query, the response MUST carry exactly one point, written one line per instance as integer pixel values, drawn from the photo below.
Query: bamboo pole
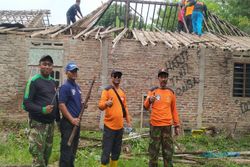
(112, 30)
(97, 33)
(107, 29)
(148, 37)
(62, 30)
(173, 42)
(8, 29)
(82, 32)
(134, 34)
(143, 42)
(118, 37)
(163, 39)
(180, 39)
(86, 35)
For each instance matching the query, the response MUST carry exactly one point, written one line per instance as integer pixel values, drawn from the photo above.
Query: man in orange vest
(188, 14)
(113, 101)
(164, 115)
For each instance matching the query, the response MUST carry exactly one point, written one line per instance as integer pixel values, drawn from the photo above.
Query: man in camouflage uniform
(40, 100)
(163, 116)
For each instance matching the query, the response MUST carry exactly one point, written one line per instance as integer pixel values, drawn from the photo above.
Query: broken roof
(33, 18)
(219, 33)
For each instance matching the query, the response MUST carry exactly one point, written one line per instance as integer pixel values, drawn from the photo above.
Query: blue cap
(71, 66)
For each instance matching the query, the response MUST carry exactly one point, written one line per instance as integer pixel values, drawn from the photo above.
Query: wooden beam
(118, 37)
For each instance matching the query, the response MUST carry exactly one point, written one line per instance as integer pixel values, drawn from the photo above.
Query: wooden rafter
(38, 18)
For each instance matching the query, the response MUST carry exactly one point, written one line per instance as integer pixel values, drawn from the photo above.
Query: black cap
(116, 72)
(162, 71)
(46, 58)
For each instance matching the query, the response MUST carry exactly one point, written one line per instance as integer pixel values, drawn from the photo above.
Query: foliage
(234, 11)
(108, 18)
(14, 149)
(115, 16)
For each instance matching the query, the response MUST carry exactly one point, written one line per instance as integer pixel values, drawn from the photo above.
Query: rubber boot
(113, 163)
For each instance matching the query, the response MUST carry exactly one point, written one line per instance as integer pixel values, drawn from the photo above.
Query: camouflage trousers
(160, 136)
(40, 142)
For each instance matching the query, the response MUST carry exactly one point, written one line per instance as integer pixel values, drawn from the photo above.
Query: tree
(115, 15)
(234, 11)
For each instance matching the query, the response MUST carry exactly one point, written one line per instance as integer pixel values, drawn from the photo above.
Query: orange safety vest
(189, 9)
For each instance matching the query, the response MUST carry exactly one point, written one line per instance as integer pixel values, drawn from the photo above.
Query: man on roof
(73, 12)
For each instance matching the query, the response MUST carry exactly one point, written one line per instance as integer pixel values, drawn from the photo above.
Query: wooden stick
(97, 33)
(81, 33)
(134, 34)
(62, 30)
(136, 136)
(118, 37)
(159, 35)
(148, 37)
(143, 42)
(73, 133)
(8, 29)
(86, 35)
(112, 30)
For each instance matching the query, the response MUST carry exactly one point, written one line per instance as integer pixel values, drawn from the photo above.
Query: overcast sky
(58, 8)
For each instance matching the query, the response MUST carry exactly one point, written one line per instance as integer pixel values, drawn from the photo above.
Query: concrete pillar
(104, 71)
(201, 54)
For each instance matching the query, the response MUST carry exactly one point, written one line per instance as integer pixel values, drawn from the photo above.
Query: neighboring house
(210, 75)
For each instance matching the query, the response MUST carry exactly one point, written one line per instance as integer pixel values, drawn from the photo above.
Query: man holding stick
(113, 101)
(70, 104)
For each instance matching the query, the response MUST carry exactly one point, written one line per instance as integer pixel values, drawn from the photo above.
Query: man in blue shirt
(72, 12)
(70, 104)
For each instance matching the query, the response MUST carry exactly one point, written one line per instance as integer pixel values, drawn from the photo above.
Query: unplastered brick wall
(13, 53)
(220, 107)
(139, 65)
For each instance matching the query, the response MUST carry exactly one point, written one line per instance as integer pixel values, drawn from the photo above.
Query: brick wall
(201, 78)
(13, 53)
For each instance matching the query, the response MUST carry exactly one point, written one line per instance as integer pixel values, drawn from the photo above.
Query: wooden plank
(160, 36)
(8, 29)
(140, 38)
(148, 37)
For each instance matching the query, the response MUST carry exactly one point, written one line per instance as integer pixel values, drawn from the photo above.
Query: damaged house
(209, 74)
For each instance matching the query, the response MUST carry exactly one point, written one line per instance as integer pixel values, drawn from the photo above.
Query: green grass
(14, 149)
